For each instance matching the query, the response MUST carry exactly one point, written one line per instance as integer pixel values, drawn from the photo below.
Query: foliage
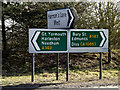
(23, 16)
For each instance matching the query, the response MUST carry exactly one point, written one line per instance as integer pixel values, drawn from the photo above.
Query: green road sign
(49, 40)
(87, 38)
(72, 40)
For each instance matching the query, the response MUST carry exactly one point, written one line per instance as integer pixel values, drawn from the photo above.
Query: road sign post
(33, 59)
(64, 41)
(56, 39)
(100, 66)
(57, 66)
(67, 68)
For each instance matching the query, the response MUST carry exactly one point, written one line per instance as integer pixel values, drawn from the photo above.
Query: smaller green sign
(87, 39)
(50, 40)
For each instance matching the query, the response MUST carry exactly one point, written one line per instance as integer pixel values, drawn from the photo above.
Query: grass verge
(74, 76)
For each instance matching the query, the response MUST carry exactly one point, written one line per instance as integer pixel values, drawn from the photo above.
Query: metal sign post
(57, 66)
(100, 76)
(33, 59)
(67, 68)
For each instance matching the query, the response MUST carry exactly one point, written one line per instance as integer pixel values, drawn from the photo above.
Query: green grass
(74, 76)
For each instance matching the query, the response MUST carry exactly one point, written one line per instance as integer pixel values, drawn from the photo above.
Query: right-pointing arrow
(34, 41)
(103, 39)
(71, 18)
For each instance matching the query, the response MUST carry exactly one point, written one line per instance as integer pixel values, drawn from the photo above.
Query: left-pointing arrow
(35, 37)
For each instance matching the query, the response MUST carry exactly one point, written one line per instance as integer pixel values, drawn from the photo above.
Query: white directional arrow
(71, 18)
(103, 39)
(34, 40)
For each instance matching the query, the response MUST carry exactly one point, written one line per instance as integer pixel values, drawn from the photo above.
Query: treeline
(17, 18)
